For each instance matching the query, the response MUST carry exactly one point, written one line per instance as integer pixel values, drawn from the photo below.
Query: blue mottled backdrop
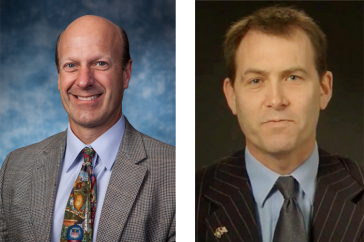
(30, 105)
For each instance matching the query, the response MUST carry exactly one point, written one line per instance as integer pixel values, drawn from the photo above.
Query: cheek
(307, 107)
(248, 110)
(107, 80)
(250, 103)
(65, 82)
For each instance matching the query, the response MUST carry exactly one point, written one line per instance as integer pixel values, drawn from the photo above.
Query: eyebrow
(284, 72)
(93, 59)
(254, 71)
(295, 69)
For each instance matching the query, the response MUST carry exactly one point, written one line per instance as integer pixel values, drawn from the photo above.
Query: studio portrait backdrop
(30, 104)
(340, 127)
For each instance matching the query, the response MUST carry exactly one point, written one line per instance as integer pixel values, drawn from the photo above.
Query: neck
(89, 134)
(283, 163)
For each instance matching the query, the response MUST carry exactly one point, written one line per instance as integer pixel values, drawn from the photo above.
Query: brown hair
(125, 57)
(275, 20)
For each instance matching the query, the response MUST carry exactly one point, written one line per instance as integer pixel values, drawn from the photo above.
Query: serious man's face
(91, 80)
(277, 94)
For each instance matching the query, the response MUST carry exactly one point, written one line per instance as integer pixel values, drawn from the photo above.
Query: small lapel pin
(220, 231)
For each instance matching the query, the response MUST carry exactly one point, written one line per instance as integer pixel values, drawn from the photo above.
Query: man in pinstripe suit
(134, 172)
(277, 84)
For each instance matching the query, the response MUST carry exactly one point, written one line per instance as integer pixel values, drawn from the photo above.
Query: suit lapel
(44, 187)
(230, 191)
(336, 217)
(125, 182)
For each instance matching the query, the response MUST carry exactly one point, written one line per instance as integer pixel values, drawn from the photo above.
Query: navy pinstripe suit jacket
(224, 198)
(139, 203)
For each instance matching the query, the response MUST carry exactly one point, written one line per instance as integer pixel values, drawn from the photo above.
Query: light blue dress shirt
(106, 148)
(268, 201)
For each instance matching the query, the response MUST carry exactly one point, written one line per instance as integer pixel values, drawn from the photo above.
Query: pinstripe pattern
(336, 217)
(224, 198)
(139, 204)
(225, 187)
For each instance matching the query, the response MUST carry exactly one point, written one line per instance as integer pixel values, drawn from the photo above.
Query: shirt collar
(106, 146)
(304, 174)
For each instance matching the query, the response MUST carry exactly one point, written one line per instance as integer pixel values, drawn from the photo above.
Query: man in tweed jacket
(94, 66)
(277, 84)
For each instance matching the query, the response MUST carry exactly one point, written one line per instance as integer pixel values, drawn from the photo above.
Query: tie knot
(286, 185)
(87, 154)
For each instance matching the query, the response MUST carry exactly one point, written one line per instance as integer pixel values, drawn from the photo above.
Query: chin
(280, 146)
(278, 150)
(87, 121)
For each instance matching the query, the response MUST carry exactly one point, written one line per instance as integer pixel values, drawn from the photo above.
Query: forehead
(271, 52)
(87, 38)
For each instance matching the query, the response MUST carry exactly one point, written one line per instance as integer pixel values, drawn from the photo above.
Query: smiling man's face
(91, 79)
(277, 94)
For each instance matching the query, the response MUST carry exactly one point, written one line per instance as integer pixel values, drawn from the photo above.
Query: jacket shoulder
(207, 172)
(35, 148)
(152, 146)
(154, 142)
(157, 147)
(205, 175)
(354, 168)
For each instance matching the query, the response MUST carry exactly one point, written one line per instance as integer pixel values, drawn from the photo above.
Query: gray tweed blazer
(139, 203)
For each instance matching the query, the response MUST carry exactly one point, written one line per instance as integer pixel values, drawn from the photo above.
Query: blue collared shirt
(106, 148)
(269, 201)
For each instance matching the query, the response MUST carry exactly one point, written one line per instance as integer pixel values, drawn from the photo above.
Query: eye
(70, 67)
(101, 65)
(255, 81)
(293, 78)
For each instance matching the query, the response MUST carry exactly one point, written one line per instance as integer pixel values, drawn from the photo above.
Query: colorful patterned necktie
(80, 211)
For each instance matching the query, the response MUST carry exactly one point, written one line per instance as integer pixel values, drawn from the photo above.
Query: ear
(127, 74)
(59, 81)
(229, 92)
(326, 89)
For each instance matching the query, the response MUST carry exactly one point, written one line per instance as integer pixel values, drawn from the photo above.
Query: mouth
(89, 98)
(277, 121)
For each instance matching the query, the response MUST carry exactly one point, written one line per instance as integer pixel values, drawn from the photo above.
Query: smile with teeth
(88, 98)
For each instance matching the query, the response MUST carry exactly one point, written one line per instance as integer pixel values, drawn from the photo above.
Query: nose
(85, 77)
(276, 97)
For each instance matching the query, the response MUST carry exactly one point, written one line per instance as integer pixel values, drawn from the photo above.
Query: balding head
(93, 73)
(94, 27)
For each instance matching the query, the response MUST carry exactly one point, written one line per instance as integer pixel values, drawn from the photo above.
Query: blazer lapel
(336, 217)
(44, 187)
(231, 193)
(125, 181)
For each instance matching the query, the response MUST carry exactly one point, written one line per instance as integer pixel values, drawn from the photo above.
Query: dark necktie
(290, 226)
(80, 211)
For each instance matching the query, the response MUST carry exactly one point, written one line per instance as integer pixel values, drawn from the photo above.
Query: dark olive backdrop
(340, 128)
